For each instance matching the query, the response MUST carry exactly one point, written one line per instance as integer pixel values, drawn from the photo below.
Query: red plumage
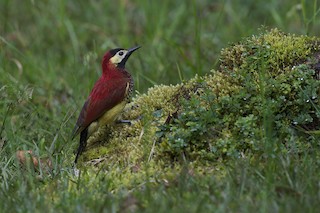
(105, 94)
(109, 91)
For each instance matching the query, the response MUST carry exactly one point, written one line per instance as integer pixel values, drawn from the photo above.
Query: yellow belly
(107, 118)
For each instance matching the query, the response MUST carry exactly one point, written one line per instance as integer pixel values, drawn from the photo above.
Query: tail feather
(83, 144)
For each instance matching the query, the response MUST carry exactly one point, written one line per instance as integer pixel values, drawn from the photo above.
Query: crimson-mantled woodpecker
(107, 98)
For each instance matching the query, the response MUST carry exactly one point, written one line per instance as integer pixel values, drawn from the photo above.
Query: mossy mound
(264, 99)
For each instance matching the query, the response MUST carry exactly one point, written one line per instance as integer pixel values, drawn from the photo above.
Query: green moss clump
(264, 99)
(276, 49)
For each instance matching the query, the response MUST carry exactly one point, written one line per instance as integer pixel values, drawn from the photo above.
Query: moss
(277, 49)
(263, 97)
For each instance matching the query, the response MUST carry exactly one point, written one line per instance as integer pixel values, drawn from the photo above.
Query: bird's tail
(83, 144)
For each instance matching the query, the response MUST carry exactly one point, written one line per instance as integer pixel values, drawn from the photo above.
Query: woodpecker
(108, 97)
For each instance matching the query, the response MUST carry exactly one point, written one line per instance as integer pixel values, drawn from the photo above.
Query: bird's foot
(129, 122)
(123, 122)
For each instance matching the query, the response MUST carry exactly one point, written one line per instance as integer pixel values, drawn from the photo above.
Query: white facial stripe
(118, 57)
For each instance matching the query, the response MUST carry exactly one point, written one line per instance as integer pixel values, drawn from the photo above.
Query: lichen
(265, 94)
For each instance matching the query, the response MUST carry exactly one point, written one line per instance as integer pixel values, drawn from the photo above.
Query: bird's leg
(129, 122)
(82, 145)
(123, 122)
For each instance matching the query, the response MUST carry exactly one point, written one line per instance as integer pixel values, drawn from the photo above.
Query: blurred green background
(50, 54)
(59, 44)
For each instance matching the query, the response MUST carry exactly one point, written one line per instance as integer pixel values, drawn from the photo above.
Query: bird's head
(117, 57)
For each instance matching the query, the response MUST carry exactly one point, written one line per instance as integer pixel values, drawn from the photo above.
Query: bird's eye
(120, 53)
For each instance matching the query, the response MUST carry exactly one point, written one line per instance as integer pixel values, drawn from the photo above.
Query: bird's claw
(124, 122)
(129, 122)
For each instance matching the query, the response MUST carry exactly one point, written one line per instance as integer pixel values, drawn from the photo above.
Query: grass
(50, 58)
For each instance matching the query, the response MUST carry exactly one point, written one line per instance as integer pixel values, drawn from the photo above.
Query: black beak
(130, 51)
